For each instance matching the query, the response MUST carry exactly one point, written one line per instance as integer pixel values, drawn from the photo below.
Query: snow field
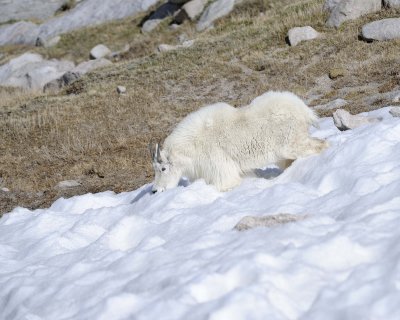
(175, 255)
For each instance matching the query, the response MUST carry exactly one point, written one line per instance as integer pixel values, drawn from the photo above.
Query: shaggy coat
(222, 144)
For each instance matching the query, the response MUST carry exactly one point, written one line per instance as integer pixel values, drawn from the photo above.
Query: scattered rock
(298, 34)
(335, 104)
(174, 26)
(343, 120)
(90, 13)
(40, 42)
(150, 25)
(214, 11)
(250, 222)
(182, 38)
(168, 47)
(391, 96)
(386, 29)
(118, 54)
(350, 9)
(19, 33)
(190, 10)
(99, 51)
(337, 73)
(391, 3)
(165, 10)
(121, 89)
(329, 5)
(395, 112)
(67, 78)
(28, 9)
(66, 184)
(56, 85)
(86, 66)
(31, 71)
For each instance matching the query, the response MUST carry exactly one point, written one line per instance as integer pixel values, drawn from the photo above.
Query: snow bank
(174, 255)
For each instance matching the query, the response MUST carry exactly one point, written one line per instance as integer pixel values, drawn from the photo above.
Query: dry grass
(90, 133)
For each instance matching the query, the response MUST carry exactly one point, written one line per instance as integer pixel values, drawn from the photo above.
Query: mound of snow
(175, 255)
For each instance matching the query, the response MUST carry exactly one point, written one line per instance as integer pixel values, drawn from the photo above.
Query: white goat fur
(221, 144)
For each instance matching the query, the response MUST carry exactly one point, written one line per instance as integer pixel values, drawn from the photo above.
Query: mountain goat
(222, 144)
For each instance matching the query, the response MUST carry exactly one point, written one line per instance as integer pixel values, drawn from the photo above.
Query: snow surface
(175, 255)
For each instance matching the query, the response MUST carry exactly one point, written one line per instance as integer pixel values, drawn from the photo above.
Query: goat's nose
(153, 191)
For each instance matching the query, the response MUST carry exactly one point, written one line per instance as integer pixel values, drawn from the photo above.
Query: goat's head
(166, 174)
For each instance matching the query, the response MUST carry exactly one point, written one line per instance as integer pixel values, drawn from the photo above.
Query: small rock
(5, 189)
(92, 92)
(335, 104)
(395, 112)
(343, 120)
(386, 29)
(391, 3)
(250, 222)
(66, 184)
(396, 97)
(350, 9)
(86, 66)
(121, 89)
(174, 26)
(182, 38)
(337, 72)
(168, 47)
(150, 25)
(117, 54)
(99, 51)
(298, 34)
(40, 42)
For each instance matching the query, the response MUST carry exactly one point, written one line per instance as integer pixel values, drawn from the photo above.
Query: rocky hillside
(84, 90)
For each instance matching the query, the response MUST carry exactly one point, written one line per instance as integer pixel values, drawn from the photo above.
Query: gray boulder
(299, 34)
(86, 66)
(56, 85)
(216, 10)
(28, 9)
(99, 51)
(30, 71)
(190, 10)
(386, 29)
(391, 3)
(165, 10)
(329, 5)
(69, 77)
(335, 104)
(19, 33)
(343, 120)
(351, 9)
(92, 12)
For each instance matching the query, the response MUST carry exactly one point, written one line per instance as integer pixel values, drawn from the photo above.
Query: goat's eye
(162, 169)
